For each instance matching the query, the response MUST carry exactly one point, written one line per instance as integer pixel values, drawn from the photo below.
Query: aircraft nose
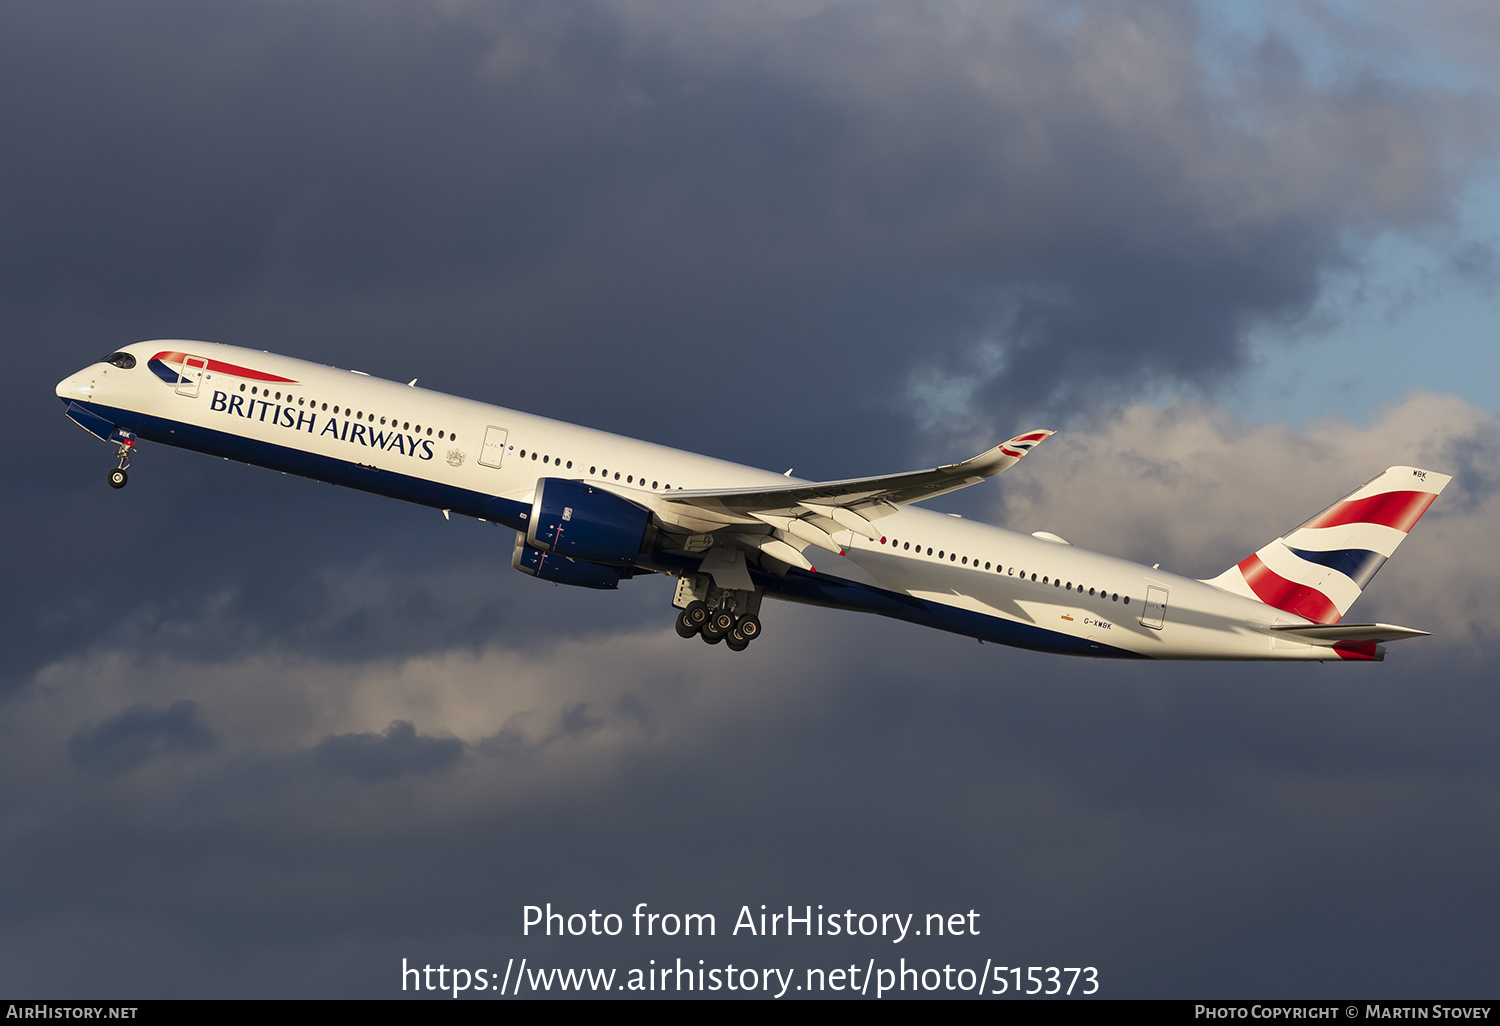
(74, 386)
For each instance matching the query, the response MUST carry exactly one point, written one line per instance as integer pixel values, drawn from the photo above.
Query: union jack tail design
(1318, 570)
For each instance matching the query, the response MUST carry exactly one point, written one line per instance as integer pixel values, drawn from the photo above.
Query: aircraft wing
(783, 520)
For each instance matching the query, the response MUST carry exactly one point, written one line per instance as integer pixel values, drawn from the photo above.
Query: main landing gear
(719, 625)
(716, 614)
(118, 477)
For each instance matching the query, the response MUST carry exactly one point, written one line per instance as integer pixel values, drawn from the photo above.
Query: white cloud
(1190, 487)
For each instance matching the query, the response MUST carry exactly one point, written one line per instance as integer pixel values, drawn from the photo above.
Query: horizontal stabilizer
(1338, 633)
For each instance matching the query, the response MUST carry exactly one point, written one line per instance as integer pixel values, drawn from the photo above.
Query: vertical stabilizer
(1318, 570)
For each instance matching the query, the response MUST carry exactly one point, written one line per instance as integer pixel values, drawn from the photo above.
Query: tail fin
(1318, 570)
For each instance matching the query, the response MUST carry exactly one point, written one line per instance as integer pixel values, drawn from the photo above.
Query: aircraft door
(1155, 613)
(191, 376)
(493, 450)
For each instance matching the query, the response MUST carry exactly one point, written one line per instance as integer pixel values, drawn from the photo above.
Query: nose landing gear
(118, 477)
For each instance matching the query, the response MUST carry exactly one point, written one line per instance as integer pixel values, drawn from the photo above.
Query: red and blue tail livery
(1318, 570)
(594, 510)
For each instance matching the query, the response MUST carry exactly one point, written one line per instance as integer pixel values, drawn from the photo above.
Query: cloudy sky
(261, 737)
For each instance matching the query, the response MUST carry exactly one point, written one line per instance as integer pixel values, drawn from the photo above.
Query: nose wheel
(118, 477)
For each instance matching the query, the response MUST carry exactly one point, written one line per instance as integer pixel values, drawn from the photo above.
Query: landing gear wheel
(685, 627)
(736, 641)
(711, 638)
(749, 627)
(711, 632)
(695, 614)
(723, 621)
(117, 478)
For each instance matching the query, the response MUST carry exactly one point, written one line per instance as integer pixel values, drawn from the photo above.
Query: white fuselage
(415, 444)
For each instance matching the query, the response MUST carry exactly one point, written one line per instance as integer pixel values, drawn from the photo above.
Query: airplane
(592, 509)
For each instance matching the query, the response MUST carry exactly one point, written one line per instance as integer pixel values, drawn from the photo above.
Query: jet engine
(577, 520)
(561, 570)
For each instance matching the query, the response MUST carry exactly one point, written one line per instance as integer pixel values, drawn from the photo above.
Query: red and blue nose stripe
(160, 366)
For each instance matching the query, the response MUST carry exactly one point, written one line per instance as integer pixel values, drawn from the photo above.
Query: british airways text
(303, 420)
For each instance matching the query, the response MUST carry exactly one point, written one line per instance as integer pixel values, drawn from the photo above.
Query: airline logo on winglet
(1021, 444)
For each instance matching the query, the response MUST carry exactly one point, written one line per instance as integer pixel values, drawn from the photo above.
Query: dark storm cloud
(139, 735)
(399, 751)
(1180, 826)
(752, 193)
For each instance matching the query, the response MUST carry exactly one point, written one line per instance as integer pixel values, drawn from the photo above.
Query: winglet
(1002, 457)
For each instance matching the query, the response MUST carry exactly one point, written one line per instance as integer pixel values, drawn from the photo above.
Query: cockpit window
(124, 361)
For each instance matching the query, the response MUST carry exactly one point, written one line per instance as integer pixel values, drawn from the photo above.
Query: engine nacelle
(575, 519)
(561, 570)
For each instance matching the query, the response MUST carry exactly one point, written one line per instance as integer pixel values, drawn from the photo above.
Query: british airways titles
(344, 429)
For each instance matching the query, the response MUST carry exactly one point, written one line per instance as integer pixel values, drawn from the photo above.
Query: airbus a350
(592, 509)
